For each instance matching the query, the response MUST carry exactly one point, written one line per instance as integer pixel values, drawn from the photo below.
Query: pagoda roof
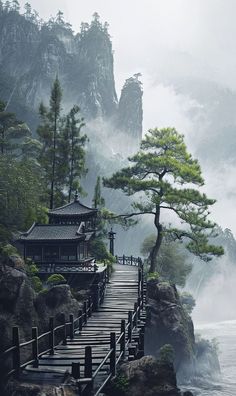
(51, 232)
(75, 208)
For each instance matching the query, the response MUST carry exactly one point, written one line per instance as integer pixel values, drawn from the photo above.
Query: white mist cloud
(169, 41)
(216, 301)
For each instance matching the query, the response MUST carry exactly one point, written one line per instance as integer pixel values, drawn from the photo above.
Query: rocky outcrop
(21, 306)
(130, 111)
(168, 323)
(33, 52)
(146, 376)
(21, 389)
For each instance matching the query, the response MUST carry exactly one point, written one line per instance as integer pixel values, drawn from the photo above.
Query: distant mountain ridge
(33, 52)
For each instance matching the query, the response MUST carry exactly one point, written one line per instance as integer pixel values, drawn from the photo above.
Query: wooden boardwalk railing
(109, 329)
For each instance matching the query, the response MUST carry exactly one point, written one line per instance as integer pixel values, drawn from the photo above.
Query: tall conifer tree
(49, 131)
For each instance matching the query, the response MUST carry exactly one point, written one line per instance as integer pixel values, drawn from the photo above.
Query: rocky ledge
(147, 376)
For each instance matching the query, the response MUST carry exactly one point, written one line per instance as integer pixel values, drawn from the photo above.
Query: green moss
(167, 353)
(153, 276)
(56, 279)
(36, 283)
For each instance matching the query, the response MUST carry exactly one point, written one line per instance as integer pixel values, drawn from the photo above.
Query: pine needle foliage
(164, 176)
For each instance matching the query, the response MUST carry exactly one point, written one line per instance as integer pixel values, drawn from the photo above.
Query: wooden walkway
(113, 333)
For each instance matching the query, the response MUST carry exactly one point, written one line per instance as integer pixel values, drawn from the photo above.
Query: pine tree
(60, 18)
(7, 6)
(158, 173)
(15, 5)
(28, 11)
(48, 132)
(76, 152)
(98, 200)
(12, 132)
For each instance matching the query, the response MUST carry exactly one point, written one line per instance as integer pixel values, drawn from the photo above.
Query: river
(225, 333)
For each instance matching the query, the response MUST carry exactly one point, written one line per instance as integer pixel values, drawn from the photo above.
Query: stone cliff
(33, 52)
(130, 111)
(169, 323)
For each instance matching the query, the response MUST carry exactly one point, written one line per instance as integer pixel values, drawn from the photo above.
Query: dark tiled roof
(52, 232)
(72, 209)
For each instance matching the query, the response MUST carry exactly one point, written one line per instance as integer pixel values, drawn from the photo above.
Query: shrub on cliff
(167, 353)
(36, 283)
(187, 301)
(171, 262)
(56, 279)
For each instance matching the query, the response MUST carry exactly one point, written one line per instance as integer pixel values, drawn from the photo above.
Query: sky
(169, 41)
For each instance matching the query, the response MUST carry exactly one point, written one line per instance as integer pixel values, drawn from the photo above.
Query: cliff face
(130, 112)
(169, 323)
(32, 53)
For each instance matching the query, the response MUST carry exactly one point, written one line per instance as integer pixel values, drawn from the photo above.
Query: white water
(225, 333)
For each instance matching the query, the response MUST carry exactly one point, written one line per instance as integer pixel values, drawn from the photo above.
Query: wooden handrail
(124, 339)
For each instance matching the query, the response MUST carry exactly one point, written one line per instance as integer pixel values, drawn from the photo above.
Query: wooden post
(139, 280)
(96, 297)
(141, 343)
(16, 353)
(123, 339)
(139, 307)
(88, 370)
(80, 320)
(72, 326)
(85, 312)
(130, 329)
(131, 259)
(90, 307)
(64, 334)
(35, 347)
(113, 354)
(51, 335)
(101, 295)
(75, 370)
(123, 259)
(142, 291)
(135, 322)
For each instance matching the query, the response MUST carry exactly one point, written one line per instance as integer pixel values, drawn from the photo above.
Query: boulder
(168, 323)
(146, 376)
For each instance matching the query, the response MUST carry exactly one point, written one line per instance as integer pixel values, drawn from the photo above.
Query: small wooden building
(65, 240)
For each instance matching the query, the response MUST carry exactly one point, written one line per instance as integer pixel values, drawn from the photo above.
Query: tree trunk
(53, 163)
(153, 254)
(71, 167)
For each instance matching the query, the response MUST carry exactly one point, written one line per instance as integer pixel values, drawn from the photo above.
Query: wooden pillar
(135, 322)
(130, 329)
(51, 335)
(88, 370)
(123, 259)
(139, 307)
(16, 353)
(64, 334)
(96, 297)
(123, 339)
(113, 354)
(141, 343)
(85, 312)
(90, 307)
(139, 281)
(35, 348)
(71, 326)
(80, 320)
(75, 370)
